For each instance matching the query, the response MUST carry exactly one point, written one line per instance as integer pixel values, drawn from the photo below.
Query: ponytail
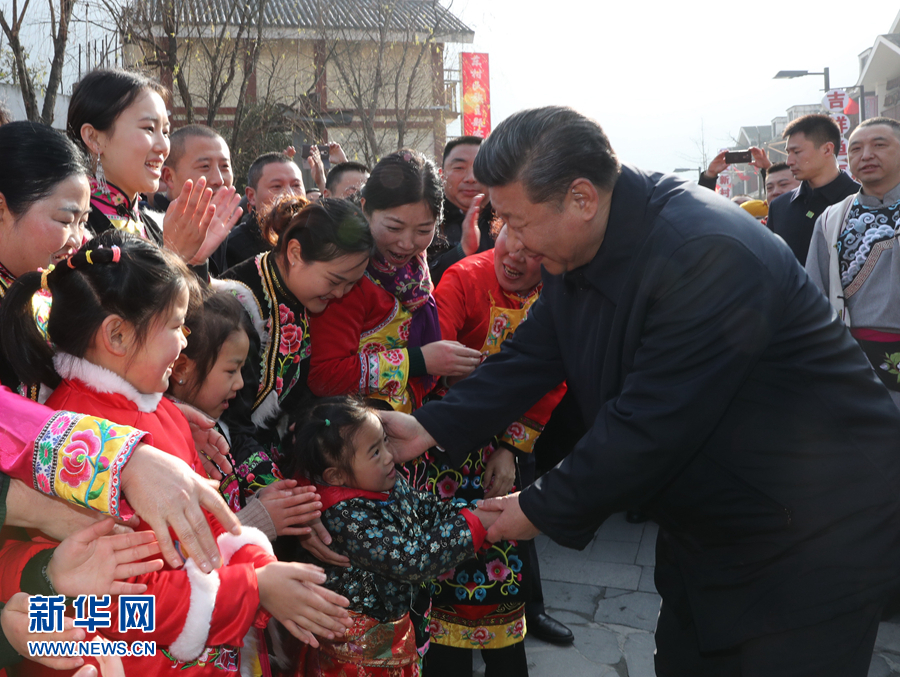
(25, 348)
(113, 274)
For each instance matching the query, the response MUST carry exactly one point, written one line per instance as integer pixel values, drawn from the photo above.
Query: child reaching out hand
(397, 540)
(116, 328)
(207, 375)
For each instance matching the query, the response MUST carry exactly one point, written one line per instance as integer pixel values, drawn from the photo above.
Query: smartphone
(323, 151)
(738, 156)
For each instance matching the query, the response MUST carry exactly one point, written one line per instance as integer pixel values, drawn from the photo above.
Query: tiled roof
(360, 15)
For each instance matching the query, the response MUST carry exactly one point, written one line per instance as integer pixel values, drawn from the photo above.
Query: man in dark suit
(722, 395)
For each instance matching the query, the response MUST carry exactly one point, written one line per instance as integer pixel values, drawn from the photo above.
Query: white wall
(11, 96)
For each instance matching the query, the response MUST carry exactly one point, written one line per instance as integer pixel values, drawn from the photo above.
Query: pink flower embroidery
(291, 336)
(286, 314)
(392, 387)
(480, 636)
(447, 487)
(43, 483)
(76, 458)
(60, 424)
(500, 324)
(403, 330)
(497, 570)
(394, 357)
(516, 431)
(372, 348)
(279, 385)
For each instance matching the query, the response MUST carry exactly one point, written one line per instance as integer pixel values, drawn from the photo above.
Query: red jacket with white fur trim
(201, 619)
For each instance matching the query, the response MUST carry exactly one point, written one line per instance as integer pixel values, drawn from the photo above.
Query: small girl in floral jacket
(397, 540)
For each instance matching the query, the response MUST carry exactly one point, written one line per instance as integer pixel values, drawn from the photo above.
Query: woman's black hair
(211, 322)
(402, 178)
(36, 159)
(143, 284)
(322, 437)
(99, 98)
(326, 230)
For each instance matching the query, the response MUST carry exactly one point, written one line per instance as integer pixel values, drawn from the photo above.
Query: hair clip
(44, 274)
(69, 260)
(117, 256)
(327, 423)
(184, 329)
(87, 256)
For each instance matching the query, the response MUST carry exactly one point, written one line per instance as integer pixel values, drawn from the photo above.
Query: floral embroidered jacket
(396, 542)
(274, 376)
(360, 345)
(201, 619)
(476, 311)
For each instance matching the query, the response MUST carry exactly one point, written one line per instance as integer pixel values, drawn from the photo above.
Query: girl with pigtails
(115, 329)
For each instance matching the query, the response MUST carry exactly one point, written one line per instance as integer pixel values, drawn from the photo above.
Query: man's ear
(116, 335)
(334, 477)
(250, 194)
(583, 197)
(167, 175)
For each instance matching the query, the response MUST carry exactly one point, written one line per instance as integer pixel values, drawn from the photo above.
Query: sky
(663, 78)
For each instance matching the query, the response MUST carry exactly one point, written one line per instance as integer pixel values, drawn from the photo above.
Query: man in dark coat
(723, 398)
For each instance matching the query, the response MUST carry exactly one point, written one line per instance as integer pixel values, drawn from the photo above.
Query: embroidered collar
(115, 202)
(102, 380)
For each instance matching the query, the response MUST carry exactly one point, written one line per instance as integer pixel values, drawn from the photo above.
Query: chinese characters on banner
(476, 95)
(835, 101)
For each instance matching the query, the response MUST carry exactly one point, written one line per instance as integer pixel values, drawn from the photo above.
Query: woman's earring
(101, 177)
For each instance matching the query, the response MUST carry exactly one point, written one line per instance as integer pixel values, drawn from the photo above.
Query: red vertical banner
(476, 96)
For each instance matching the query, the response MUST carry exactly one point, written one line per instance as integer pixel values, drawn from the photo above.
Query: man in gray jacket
(854, 257)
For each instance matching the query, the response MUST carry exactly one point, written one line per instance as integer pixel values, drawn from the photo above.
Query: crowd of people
(373, 370)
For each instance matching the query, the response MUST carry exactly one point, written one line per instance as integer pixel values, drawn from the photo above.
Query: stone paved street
(605, 594)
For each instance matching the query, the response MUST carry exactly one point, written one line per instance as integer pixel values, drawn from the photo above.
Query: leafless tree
(60, 16)
(387, 67)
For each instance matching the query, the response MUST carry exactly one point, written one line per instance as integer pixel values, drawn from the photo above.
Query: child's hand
(487, 517)
(92, 563)
(110, 666)
(289, 505)
(14, 621)
(289, 591)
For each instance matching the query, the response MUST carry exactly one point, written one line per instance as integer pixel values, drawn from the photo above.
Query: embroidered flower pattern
(80, 458)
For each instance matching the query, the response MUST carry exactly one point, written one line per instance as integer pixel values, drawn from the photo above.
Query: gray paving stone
(607, 574)
(639, 647)
(566, 661)
(540, 542)
(609, 593)
(647, 584)
(579, 599)
(623, 552)
(598, 645)
(646, 555)
(634, 610)
(879, 667)
(617, 529)
(888, 637)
